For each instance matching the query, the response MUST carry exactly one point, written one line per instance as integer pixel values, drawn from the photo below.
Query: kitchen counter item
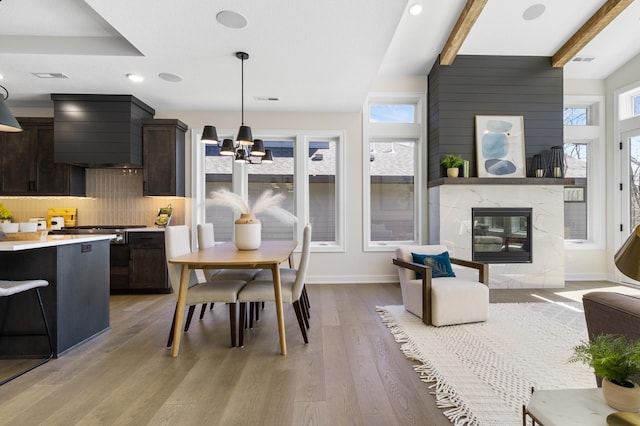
(68, 214)
(25, 236)
(42, 223)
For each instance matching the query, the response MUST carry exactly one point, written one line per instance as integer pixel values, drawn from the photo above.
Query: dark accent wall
(492, 85)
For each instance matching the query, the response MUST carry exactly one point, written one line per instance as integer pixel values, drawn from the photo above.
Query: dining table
(269, 255)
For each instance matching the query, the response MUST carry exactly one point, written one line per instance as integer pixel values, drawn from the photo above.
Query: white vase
(247, 232)
(621, 398)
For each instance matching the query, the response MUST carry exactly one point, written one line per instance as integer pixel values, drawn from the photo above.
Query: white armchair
(445, 300)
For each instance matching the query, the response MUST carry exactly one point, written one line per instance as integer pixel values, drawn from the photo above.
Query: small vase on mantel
(247, 232)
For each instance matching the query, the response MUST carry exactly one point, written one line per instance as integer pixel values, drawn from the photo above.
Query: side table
(557, 407)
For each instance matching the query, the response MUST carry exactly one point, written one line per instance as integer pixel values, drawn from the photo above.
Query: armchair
(446, 300)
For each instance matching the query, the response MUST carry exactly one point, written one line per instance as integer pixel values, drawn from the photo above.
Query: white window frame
(376, 132)
(593, 134)
(239, 178)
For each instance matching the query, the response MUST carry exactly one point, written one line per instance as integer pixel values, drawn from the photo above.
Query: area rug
(483, 373)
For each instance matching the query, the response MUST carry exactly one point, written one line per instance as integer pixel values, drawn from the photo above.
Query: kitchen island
(76, 301)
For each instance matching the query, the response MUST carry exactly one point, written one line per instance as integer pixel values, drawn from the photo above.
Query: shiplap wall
(492, 85)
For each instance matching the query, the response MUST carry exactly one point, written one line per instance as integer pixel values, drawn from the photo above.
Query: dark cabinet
(163, 156)
(140, 266)
(27, 167)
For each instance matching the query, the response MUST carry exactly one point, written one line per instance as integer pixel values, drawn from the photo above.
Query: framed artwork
(500, 146)
(574, 194)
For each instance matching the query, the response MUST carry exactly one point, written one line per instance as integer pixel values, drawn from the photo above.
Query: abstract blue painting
(500, 146)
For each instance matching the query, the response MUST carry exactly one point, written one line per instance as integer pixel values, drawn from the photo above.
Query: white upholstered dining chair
(177, 243)
(292, 286)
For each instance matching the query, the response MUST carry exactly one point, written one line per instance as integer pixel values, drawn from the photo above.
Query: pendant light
(245, 149)
(8, 122)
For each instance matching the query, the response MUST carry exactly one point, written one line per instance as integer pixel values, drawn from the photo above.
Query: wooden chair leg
(305, 298)
(232, 323)
(192, 308)
(305, 312)
(298, 309)
(211, 307)
(252, 307)
(203, 310)
(243, 317)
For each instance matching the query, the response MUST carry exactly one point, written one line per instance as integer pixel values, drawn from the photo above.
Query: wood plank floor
(351, 373)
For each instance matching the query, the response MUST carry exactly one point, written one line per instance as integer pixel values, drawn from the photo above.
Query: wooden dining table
(269, 255)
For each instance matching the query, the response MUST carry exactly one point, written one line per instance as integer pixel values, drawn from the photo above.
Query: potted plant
(5, 214)
(451, 162)
(247, 229)
(616, 360)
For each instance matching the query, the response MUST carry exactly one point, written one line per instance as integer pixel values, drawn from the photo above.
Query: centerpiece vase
(621, 398)
(247, 232)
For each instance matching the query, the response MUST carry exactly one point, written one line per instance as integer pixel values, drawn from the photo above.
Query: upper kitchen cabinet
(163, 156)
(27, 167)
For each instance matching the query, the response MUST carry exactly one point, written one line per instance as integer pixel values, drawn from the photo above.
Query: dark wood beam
(467, 18)
(607, 13)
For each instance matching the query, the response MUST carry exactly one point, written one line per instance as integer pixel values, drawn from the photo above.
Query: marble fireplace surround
(450, 204)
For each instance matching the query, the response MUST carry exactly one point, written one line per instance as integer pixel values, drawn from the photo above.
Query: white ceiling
(320, 55)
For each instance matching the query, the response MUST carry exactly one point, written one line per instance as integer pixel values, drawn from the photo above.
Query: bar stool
(10, 288)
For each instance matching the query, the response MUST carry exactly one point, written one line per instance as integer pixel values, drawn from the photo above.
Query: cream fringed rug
(483, 373)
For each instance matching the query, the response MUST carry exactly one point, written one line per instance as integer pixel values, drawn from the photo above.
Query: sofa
(612, 313)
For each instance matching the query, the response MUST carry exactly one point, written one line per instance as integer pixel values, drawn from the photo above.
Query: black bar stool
(10, 288)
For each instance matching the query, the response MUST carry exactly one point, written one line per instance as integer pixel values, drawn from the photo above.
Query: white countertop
(52, 241)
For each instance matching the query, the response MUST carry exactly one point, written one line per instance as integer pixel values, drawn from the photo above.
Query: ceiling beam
(460, 31)
(607, 13)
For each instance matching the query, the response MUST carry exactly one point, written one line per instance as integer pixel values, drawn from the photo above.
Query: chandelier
(245, 149)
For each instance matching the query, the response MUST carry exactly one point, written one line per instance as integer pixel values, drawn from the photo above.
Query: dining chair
(177, 243)
(11, 288)
(266, 274)
(206, 239)
(292, 286)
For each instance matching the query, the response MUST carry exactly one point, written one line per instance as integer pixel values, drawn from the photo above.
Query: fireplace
(501, 235)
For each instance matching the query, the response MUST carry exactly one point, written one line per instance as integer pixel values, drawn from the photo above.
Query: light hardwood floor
(351, 373)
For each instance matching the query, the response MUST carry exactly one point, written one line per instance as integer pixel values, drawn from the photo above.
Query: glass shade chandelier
(245, 149)
(8, 122)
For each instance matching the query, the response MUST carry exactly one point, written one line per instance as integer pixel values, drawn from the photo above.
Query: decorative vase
(453, 172)
(556, 165)
(621, 398)
(247, 232)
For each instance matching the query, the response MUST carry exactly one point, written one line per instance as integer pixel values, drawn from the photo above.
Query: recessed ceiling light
(231, 19)
(415, 9)
(170, 77)
(49, 75)
(136, 78)
(266, 98)
(1, 76)
(533, 12)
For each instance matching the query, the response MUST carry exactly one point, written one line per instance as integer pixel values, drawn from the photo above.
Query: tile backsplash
(114, 197)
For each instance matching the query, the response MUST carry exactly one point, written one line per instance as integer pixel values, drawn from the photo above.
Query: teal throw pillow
(440, 264)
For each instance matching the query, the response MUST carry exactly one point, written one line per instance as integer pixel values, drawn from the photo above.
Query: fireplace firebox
(501, 235)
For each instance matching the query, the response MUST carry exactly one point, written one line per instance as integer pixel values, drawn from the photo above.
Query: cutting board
(68, 213)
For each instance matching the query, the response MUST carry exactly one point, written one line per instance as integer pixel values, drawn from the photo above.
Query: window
(584, 162)
(277, 177)
(575, 116)
(392, 165)
(322, 164)
(392, 113)
(307, 169)
(218, 169)
(575, 208)
(636, 105)
(392, 201)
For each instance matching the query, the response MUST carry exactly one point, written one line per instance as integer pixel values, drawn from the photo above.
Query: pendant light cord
(242, 90)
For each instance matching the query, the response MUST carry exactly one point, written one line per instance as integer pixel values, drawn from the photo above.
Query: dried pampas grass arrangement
(267, 203)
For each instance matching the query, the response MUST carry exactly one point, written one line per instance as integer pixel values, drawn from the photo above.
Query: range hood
(100, 131)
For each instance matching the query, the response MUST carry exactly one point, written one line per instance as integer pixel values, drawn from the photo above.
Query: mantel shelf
(501, 181)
